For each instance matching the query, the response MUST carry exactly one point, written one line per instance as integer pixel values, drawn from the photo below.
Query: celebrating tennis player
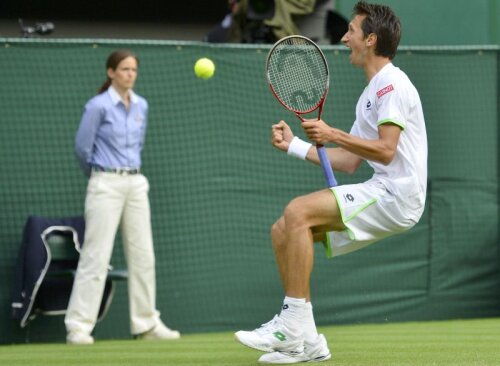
(389, 133)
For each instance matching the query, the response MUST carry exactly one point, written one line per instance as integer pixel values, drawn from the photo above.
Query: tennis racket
(297, 73)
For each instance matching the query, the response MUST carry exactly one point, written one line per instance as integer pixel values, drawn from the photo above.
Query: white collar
(116, 98)
(386, 68)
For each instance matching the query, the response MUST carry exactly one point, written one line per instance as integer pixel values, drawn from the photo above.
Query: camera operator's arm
(238, 20)
(283, 22)
(299, 7)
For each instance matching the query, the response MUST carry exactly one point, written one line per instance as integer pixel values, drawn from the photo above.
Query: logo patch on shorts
(349, 197)
(385, 90)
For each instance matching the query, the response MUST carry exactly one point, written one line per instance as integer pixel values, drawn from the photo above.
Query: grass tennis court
(458, 342)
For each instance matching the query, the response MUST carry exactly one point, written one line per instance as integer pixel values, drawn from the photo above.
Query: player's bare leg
(305, 217)
(294, 332)
(305, 221)
(278, 235)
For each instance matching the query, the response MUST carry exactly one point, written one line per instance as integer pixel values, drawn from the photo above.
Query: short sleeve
(389, 99)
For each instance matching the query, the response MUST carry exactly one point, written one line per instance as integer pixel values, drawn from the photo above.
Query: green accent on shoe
(280, 336)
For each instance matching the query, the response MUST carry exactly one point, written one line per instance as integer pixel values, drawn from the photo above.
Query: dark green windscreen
(217, 184)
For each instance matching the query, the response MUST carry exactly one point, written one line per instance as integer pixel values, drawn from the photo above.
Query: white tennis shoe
(160, 332)
(316, 351)
(271, 336)
(79, 338)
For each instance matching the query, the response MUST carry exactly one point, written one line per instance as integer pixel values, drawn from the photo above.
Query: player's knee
(295, 214)
(275, 230)
(278, 231)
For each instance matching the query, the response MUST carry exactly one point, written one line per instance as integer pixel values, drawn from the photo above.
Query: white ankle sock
(292, 313)
(308, 324)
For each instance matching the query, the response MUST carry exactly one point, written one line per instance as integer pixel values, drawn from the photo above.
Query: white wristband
(298, 148)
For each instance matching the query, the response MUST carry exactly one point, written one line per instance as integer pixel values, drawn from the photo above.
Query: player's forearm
(374, 150)
(340, 159)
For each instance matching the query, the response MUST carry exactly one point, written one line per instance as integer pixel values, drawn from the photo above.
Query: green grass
(454, 343)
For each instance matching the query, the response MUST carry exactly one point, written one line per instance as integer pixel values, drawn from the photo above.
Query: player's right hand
(281, 136)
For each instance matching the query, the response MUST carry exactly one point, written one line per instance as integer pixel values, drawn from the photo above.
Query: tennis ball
(204, 68)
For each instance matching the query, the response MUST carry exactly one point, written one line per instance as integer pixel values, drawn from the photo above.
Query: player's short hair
(383, 22)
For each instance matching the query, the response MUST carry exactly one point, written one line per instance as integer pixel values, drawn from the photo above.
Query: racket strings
(298, 74)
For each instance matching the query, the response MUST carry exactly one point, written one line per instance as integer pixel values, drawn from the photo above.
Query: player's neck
(374, 65)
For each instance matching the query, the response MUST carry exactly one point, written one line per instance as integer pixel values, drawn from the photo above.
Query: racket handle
(327, 167)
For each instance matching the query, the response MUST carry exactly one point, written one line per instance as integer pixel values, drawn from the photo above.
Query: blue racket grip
(327, 167)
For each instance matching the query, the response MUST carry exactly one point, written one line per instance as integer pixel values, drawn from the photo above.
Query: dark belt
(122, 171)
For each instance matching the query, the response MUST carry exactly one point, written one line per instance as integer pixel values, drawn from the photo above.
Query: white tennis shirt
(390, 97)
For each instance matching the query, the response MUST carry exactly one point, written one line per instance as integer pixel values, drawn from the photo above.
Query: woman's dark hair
(380, 20)
(112, 62)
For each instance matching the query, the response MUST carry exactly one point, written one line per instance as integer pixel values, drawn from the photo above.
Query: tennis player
(389, 133)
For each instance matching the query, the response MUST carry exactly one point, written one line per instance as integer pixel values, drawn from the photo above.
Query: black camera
(39, 28)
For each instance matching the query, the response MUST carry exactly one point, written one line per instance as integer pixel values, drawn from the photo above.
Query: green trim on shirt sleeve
(389, 120)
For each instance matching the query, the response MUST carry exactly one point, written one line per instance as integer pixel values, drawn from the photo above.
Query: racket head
(297, 73)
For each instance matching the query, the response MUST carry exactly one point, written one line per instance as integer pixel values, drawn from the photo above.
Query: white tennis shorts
(370, 213)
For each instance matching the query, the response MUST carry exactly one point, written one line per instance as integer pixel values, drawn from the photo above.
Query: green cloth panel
(464, 255)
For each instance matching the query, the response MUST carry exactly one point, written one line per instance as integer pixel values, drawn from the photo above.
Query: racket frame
(323, 157)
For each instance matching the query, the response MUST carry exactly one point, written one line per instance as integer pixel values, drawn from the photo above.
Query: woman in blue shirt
(109, 142)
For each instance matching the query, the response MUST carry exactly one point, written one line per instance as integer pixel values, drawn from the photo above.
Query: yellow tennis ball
(204, 68)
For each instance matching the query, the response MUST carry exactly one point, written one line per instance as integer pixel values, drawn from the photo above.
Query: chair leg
(27, 333)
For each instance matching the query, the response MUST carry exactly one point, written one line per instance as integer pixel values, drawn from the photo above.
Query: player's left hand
(281, 135)
(317, 131)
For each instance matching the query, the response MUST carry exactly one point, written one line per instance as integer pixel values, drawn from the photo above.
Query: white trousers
(115, 200)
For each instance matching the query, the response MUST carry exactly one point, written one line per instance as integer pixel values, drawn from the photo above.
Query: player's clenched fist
(281, 135)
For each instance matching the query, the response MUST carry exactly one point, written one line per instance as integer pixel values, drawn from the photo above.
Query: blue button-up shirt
(110, 135)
